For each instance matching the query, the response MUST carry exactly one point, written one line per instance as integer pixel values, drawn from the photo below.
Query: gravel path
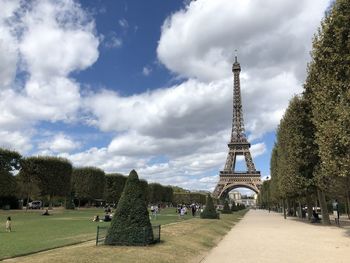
(267, 237)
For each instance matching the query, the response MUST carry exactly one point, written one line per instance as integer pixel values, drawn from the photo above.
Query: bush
(209, 211)
(240, 207)
(130, 224)
(226, 209)
(234, 207)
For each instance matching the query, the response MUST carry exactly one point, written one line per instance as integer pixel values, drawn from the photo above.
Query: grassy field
(32, 232)
(186, 241)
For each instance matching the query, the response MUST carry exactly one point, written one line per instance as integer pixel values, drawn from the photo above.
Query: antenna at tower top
(236, 55)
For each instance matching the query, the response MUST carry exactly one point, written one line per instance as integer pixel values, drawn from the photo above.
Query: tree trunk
(294, 208)
(50, 203)
(309, 207)
(284, 208)
(323, 205)
(348, 204)
(347, 197)
(27, 205)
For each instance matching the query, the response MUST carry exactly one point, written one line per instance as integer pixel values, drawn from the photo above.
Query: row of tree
(189, 198)
(51, 177)
(310, 162)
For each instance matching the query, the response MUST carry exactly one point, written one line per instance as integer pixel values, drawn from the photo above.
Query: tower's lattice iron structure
(239, 145)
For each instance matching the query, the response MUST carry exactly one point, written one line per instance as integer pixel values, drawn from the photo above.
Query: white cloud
(192, 107)
(45, 41)
(123, 23)
(100, 157)
(170, 112)
(60, 143)
(18, 141)
(146, 71)
(113, 42)
(8, 44)
(272, 36)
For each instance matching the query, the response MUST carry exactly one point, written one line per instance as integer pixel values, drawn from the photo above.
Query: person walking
(193, 208)
(182, 212)
(8, 224)
(336, 212)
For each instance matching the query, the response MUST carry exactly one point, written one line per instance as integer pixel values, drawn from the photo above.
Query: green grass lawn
(32, 232)
(187, 241)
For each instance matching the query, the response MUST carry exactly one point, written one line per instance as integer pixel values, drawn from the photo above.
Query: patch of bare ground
(267, 237)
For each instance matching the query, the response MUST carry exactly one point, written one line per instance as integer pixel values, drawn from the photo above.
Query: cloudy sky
(147, 85)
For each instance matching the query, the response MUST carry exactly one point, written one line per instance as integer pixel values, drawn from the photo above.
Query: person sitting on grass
(46, 213)
(96, 218)
(107, 218)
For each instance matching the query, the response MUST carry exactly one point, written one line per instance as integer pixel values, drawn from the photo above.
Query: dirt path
(267, 237)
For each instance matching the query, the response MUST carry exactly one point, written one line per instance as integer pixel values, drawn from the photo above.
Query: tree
(8, 184)
(188, 198)
(209, 211)
(131, 224)
(144, 185)
(114, 185)
(9, 162)
(168, 194)
(28, 186)
(88, 183)
(264, 195)
(327, 86)
(52, 174)
(155, 193)
(226, 209)
(294, 159)
(234, 207)
(158, 193)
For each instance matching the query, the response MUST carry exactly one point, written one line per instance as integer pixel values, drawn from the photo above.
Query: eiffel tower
(239, 145)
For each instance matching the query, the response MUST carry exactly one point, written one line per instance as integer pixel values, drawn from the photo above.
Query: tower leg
(249, 161)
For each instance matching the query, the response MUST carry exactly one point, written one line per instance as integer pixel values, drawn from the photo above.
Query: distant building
(235, 196)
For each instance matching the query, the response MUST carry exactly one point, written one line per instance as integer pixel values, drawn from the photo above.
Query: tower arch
(228, 188)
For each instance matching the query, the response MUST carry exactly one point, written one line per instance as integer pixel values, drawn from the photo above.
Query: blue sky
(137, 24)
(147, 85)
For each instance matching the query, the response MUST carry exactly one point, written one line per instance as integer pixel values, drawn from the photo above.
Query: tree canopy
(52, 174)
(114, 185)
(88, 182)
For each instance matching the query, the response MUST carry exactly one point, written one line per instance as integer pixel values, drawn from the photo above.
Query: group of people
(155, 210)
(182, 209)
(107, 217)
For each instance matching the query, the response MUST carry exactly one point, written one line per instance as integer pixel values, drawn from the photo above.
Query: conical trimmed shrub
(131, 224)
(226, 209)
(209, 211)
